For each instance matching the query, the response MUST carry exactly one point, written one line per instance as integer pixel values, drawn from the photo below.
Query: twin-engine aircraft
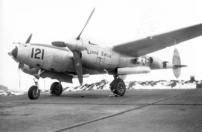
(64, 60)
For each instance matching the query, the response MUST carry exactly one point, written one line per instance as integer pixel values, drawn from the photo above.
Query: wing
(158, 42)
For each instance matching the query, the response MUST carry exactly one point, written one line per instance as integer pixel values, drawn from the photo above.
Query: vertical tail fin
(177, 64)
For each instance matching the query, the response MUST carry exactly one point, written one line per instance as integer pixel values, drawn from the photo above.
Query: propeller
(20, 65)
(14, 54)
(77, 52)
(76, 49)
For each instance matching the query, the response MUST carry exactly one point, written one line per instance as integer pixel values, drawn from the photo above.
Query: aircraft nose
(14, 52)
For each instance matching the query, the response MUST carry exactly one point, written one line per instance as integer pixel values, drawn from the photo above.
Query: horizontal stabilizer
(179, 66)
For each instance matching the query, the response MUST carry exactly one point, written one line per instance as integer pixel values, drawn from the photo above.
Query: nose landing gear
(34, 91)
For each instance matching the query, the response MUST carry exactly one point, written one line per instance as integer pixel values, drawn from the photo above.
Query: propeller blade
(179, 66)
(20, 65)
(78, 66)
(29, 39)
(78, 37)
(19, 78)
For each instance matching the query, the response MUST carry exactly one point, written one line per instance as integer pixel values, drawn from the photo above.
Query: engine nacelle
(45, 57)
(156, 63)
(133, 70)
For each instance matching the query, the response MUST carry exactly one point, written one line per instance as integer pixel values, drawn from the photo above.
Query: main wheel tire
(33, 92)
(56, 89)
(118, 87)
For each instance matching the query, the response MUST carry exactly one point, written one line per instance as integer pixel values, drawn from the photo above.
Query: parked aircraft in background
(64, 60)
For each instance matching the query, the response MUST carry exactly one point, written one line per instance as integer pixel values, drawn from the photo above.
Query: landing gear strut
(34, 91)
(56, 89)
(118, 87)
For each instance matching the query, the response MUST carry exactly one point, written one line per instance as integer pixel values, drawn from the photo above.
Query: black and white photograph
(100, 65)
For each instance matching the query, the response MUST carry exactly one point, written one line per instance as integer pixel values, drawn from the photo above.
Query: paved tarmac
(96, 111)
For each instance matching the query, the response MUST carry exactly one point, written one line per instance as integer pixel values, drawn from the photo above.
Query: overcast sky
(114, 22)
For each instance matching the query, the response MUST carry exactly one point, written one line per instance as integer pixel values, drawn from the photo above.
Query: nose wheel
(33, 92)
(118, 87)
(56, 89)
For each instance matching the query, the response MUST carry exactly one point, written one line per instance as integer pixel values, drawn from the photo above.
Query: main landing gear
(118, 87)
(56, 89)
